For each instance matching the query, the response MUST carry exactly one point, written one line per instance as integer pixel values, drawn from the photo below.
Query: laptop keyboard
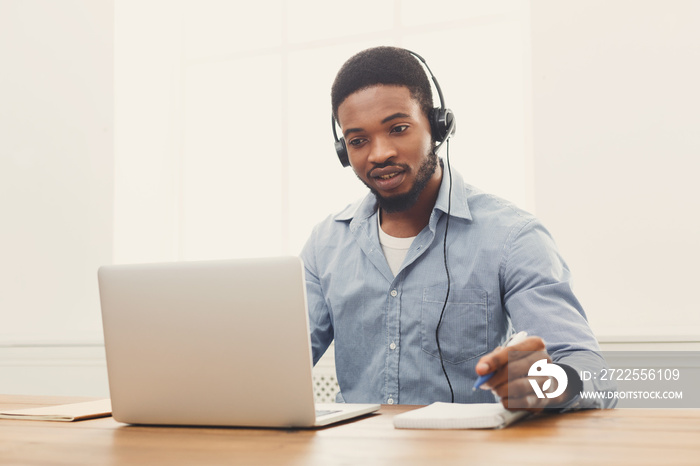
(325, 412)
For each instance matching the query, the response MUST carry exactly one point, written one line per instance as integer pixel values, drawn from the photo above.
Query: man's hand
(510, 382)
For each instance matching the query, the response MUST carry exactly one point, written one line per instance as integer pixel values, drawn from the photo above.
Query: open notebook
(458, 416)
(216, 343)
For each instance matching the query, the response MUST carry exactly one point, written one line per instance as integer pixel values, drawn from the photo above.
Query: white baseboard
(76, 369)
(658, 342)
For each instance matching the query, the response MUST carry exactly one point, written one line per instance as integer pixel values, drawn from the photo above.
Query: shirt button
(392, 345)
(394, 293)
(390, 401)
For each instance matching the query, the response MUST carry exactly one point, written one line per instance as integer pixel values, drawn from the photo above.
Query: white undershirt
(395, 249)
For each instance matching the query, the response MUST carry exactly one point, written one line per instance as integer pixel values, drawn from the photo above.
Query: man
(377, 272)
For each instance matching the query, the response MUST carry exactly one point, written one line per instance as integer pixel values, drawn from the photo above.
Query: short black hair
(382, 65)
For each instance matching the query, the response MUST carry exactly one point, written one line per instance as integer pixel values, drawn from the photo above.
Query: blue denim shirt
(506, 275)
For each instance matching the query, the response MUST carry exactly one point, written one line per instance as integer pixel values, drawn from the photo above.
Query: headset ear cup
(436, 129)
(340, 148)
(448, 122)
(342, 151)
(441, 123)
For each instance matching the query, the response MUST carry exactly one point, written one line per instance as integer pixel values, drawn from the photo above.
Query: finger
(518, 366)
(530, 344)
(520, 363)
(520, 388)
(485, 364)
(515, 370)
(515, 388)
(499, 357)
(492, 361)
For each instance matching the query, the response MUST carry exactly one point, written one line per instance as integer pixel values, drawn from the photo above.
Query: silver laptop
(213, 343)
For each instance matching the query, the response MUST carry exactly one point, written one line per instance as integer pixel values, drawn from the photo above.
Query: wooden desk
(634, 437)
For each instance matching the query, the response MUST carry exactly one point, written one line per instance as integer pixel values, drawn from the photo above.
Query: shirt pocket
(464, 327)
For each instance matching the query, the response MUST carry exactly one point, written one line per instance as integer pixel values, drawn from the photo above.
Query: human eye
(356, 142)
(399, 128)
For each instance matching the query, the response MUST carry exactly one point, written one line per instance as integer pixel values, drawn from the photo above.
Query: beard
(403, 202)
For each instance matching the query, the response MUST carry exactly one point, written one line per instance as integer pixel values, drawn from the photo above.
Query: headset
(442, 126)
(442, 121)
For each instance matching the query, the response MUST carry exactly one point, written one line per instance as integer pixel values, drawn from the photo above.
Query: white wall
(56, 158)
(617, 153)
(56, 190)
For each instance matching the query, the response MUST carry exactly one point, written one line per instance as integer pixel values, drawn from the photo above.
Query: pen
(512, 340)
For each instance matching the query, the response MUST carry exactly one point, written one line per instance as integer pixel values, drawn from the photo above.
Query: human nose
(381, 150)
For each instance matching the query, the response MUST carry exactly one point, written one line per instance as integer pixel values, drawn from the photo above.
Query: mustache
(388, 163)
(379, 166)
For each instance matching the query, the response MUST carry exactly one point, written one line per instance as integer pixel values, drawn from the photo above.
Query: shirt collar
(367, 206)
(460, 206)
